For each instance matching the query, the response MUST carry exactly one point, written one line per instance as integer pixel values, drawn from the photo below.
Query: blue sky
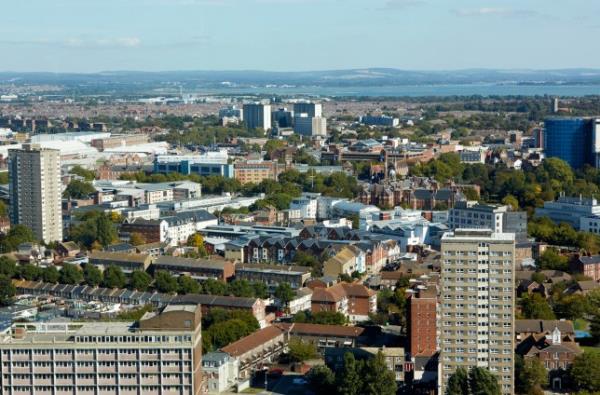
(287, 35)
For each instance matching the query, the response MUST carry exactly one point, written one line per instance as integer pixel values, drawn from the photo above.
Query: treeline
(531, 186)
(290, 184)
(355, 377)
(114, 277)
(221, 327)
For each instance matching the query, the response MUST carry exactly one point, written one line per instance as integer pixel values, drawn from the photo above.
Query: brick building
(423, 322)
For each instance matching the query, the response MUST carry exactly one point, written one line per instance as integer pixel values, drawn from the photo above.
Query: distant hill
(332, 78)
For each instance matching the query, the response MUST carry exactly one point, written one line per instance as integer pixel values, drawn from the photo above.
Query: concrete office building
(35, 190)
(160, 354)
(306, 125)
(477, 304)
(257, 116)
(580, 213)
(499, 218)
(313, 110)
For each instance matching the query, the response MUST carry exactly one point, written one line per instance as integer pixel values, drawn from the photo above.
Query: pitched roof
(543, 326)
(252, 341)
(323, 330)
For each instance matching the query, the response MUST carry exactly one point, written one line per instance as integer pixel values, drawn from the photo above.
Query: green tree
(114, 277)
(187, 285)
(378, 379)
(164, 282)
(458, 383)
(214, 287)
(88, 175)
(8, 267)
(538, 277)
(530, 375)
(260, 290)
(30, 272)
(16, 235)
(7, 290)
(284, 293)
(241, 288)
(136, 239)
(571, 307)
(552, 260)
(348, 379)
(197, 241)
(300, 351)
(92, 275)
(511, 201)
(321, 380)
(70, 274)
(78, 190)
(585, 371)
(535, 306)
(482, 382)
(140, 280)
(50, 274)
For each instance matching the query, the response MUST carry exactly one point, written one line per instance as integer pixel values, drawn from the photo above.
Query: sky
(297, 35)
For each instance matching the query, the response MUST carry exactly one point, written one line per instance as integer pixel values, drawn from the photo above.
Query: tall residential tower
(477, 304)
(35, 190)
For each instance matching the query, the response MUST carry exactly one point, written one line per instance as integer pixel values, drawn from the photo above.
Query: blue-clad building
(208, 164)
(572, 140)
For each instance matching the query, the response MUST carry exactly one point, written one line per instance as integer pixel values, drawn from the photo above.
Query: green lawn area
(252, 390)
(591, 349)
(580, 324)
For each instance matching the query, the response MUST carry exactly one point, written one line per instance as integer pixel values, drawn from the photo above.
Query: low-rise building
(127, 262)
(351, 299)
(218, 269)
(219, 372)
(273, 275)
(589, 266)
(344, 262)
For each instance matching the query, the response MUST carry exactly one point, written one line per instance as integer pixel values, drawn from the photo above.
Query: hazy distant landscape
(355, 82)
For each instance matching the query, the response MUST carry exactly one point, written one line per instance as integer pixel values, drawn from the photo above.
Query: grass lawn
(591, 349)
(580, 324)
(252, 390)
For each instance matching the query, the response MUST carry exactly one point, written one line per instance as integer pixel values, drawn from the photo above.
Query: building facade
(574, 140)
(477, 304)
(257, 116)
(35, 191)
(160, 355)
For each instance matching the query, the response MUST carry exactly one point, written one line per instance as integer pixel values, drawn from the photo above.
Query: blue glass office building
(569, 139)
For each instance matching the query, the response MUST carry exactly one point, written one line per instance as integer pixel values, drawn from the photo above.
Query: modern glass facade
(569, 139)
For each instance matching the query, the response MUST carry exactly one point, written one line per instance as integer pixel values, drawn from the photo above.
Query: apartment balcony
(86, 369)
(26, 381)
(63, 357)
(128, 392)
(40, 391)
(42, 369)
(107, 381)
(151, 391)
(171, 369)
(107, 369)
(21, 370)
(20, 358)
(69, 381)
(63, 369)
(41, 358)
(128, 369)
(171, 381)
(171, 356)
(150, 380)
(128, 357)
(107, 357)
(149, 369)
(87, 381)
(149, 357)
(170, 391)
(128, 381)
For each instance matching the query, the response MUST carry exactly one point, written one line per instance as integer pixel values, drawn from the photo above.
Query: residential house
(127, 262)
(589, 266)
(273, 275)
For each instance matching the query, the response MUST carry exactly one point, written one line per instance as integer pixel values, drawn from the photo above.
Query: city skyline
(297, 35)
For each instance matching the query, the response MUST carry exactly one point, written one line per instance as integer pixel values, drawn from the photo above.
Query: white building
(307, 204)
(569, 210)
(220, 371)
